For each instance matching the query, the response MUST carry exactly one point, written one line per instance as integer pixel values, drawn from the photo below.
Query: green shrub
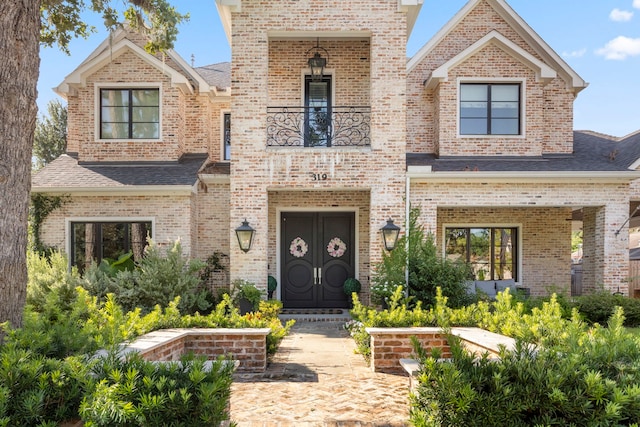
(427, 270)
(56, 314)
(598, 307)
(41, 386)
(134, 392)
(589, 378)
(35, 390)
(159, 278)
(351, 285)
(49, 275)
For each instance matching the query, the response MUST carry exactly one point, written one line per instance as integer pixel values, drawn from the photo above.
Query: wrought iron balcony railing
(318, 126)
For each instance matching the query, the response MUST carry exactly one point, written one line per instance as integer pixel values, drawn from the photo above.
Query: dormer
(126, 104)
(487, 85)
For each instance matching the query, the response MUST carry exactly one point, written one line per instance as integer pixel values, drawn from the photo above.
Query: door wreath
(298, 247)
(336, 247)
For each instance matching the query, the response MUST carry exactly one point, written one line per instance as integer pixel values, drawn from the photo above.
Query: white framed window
(128, 111)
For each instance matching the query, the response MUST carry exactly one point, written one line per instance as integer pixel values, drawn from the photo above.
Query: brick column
(248, 187)
(605, 253)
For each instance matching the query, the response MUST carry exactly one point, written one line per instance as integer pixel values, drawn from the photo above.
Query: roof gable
(543, 71)
(537, 44)
(118, 44)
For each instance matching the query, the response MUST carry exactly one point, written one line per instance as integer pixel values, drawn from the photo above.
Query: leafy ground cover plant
(40, 391)
(134, 392)
(45, 372)
(590, 378)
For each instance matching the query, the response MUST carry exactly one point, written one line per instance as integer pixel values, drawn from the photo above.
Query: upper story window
(490, 109)
(226, 136)
(130, 113)
(317, 113)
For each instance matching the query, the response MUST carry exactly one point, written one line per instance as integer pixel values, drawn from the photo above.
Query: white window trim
(486, 225)
(222, 146)
(69, 220)
(132, 85)
(523, 105)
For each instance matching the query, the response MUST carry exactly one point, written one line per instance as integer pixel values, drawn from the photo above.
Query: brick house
(475, 130)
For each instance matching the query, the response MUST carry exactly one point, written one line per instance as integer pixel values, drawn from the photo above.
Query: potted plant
(272, 284)
(246, 296)
(350, 286)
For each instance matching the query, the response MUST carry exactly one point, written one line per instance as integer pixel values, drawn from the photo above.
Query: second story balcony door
(317, 120)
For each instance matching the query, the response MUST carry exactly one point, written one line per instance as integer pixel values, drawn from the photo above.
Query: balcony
(318, 126)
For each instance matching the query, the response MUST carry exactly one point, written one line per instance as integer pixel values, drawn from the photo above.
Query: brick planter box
(389, 345)
(246, 346)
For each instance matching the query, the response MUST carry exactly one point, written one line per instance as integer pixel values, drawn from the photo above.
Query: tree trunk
(19, 68)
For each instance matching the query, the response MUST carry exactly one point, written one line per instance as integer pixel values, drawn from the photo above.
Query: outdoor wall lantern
(244, 233)
(317, 62)
(390, 234)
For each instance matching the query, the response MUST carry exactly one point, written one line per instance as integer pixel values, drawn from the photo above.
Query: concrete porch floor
(317, 379)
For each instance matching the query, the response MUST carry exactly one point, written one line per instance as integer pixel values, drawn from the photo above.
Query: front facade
(475, 131)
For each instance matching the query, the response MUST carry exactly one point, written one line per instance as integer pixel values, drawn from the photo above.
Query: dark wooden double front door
(318, 255)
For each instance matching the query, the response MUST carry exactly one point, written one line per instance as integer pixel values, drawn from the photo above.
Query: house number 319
(319, 176)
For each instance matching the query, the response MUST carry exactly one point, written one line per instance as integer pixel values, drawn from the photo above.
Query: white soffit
(225, 8)
(412, 8)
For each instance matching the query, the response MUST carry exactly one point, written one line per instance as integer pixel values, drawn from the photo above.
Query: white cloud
(621, 15)
(576, 53)
(636, 4)
(620, 48)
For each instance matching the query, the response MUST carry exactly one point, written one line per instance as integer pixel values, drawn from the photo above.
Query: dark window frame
(318, 118)
(130, 108)
(226, 136)
(489, 116)
(515, 249)
(99, 243)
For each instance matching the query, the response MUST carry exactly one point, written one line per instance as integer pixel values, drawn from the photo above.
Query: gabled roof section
(66, 175)
(543, 71)
(595, 157)
(118, 44)
(544, 51)
(227, 7)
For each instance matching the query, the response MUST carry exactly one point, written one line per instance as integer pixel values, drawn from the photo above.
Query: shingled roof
(592, 153)
(66, 174)
(218, 75)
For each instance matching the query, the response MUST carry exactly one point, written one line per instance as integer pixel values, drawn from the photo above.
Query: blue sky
(599, 39)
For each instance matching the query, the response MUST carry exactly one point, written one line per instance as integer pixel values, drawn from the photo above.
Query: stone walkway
(316, 379)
